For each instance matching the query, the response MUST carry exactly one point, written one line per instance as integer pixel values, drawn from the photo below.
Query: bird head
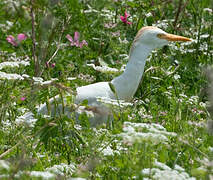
(154, 37)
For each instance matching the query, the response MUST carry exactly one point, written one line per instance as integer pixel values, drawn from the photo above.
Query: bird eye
(161, 36)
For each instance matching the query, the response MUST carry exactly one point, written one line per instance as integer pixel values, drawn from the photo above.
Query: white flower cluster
(209, 10)
(50, 173)
(182, 47)
(14, 76)
(163, 172)
(8, 76)
(139, 132)
(108, 151)
(4, 165)
(90, 10)
(5, 27)
(40, 81)
(104, 12)
(163, 23)
(62, 169)
(115, 102)
(27, 118)
(83, 109)
(13, 64)
(41, 174)
(108, 14)
(104, 69)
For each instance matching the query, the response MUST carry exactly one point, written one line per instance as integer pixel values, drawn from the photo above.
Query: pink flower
(83, 43)
(49, 65)
(21, 37)
(124, 18)
(76, 42)
(53, 65)
(22, 98)
(10, 39)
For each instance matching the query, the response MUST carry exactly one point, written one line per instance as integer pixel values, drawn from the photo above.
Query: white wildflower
(124, 56)
(211, 149)
(78, 127)
(108, 151)
(42, 174)
(90, 10)
(86, 77)
(4, 176)
(208, 10)
(46, 116)
(7, 26)
(38, 80)
(103, 68)
(125, 41)
(40, 155)
(4, 165)
(136, 132)
(176, 76)
(27, 118)
(71, 78)
(8, 76)
(83, 109)
(204, 36)
(183, 95)
(168, 94)
(146, 116)
(163, 172)
(9, 23)
(46, 82)
(179, 168)
(62, 169)
(163, 23)
(193, 100)
(49, 81)
(120, 103)
(156, 78)
(148, 14)
(129, 129)
(13, 64)
(176, 61)
(123, 67)
(25, 76)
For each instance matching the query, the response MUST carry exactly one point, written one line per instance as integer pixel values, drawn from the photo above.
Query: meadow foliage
(51, 47)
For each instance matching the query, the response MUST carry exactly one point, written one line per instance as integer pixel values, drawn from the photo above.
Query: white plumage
(146, 40)
(92, 91)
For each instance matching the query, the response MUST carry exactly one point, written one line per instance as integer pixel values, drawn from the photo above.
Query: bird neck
(127, 83)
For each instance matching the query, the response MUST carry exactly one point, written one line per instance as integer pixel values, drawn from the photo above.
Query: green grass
(173, 91)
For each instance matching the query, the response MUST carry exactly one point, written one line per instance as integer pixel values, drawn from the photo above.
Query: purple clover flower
(75, 41)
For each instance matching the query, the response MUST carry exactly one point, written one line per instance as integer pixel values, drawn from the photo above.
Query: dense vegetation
(166, 132)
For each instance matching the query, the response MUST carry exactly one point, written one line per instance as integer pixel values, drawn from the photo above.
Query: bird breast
(93, 91)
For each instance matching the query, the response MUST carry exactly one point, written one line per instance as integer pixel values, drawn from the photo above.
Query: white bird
(147, 39)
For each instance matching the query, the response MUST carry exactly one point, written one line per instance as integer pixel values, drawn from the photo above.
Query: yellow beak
(172, 37)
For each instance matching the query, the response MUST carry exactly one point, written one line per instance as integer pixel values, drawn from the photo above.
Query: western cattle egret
(147, 39)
